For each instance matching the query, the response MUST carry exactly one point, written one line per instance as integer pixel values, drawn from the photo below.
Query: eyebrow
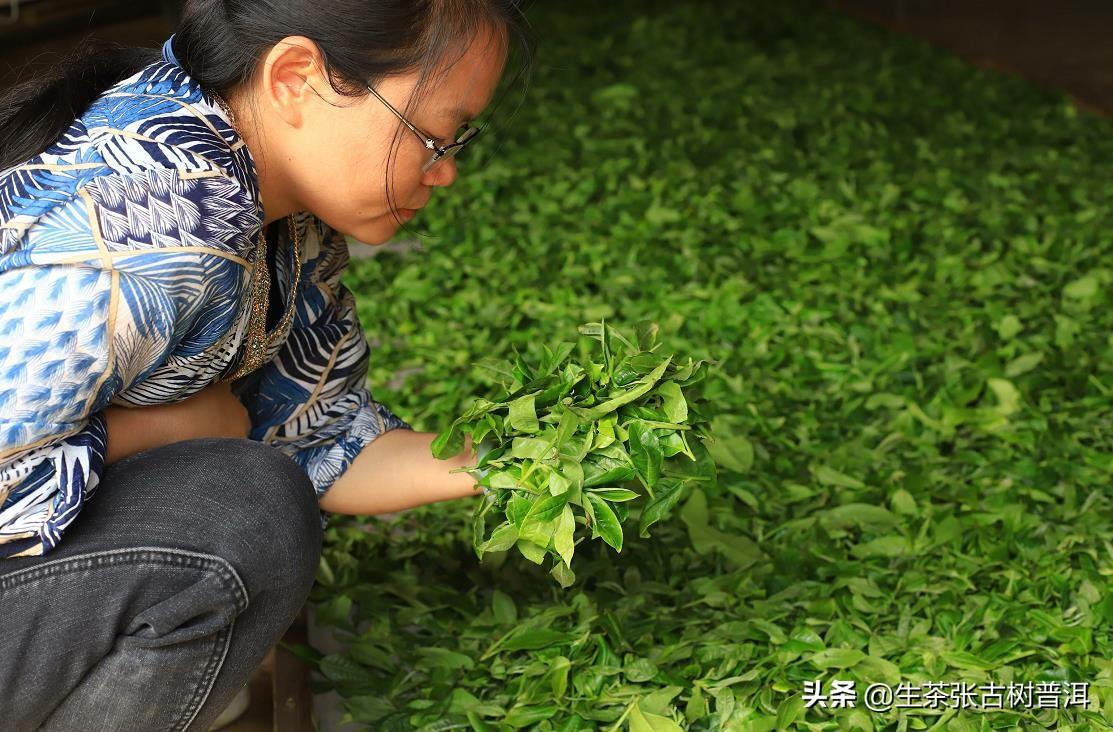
(458, 114)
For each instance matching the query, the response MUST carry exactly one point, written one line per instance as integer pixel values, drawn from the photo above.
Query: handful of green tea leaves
(578, 439)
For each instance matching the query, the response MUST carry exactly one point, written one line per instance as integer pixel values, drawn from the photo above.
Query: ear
(293, 77)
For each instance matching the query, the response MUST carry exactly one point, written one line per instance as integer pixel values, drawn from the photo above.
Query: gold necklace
(258, 340)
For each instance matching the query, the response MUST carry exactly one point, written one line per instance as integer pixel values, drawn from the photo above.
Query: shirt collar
(214, 138)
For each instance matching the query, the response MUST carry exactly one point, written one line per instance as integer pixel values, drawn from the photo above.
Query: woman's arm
(397, 471)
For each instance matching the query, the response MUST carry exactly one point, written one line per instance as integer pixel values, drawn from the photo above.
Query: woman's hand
(212, 412)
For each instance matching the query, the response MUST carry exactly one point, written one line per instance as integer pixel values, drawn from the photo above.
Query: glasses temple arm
(429, 142)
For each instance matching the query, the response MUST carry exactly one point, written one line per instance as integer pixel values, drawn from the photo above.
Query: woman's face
(327, 153)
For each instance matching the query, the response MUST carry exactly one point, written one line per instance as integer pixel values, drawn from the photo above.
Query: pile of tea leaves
(900, 266)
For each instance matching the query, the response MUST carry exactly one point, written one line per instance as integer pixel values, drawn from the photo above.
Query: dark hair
(221, 42)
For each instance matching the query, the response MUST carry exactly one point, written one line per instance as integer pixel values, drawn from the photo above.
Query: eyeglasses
(466, 134)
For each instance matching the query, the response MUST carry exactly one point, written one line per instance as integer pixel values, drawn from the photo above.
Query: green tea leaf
(640, 669)
(502, 538)
(884, 546)
(863, 515)
(526, 716)
(547, 508)
(517, 508)
(646, 722)
(448, 443)
(444, 658)
(539, 532)
(523, 414)
(696, 707)
(603, 470)
(675, 406)
(829, 476)
(558, 676)
(660, 701)
(836, 658)
(336, 611)
(1008, 397)
(1023, 364)
(788, 711)
(594, 413)
(531, 448)
(645, 452)
(647, 332)
(563, 538)
(667, 497)
(733, 453)
(532, 639)
(531, 551)
(1083, 288)
(606, 522)
(503, 607)
(563, 574)
(705, 538)
(615, 495)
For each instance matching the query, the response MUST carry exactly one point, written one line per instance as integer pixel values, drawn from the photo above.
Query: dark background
(1060, 44)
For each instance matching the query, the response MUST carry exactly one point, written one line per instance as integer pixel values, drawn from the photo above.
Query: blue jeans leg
(181, 572)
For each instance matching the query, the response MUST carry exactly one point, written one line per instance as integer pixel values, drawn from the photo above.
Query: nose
(441, 174)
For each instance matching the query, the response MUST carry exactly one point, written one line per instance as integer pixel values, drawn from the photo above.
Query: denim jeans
(182, 570)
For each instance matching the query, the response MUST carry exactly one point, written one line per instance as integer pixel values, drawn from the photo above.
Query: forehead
(462, 86)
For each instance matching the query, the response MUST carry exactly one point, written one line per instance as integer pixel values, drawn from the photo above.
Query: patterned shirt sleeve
(312, 400)
(108, 284)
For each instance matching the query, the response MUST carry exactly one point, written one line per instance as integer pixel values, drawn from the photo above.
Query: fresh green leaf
(606, 522)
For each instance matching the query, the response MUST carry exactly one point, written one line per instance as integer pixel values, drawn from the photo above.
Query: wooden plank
(293, 702)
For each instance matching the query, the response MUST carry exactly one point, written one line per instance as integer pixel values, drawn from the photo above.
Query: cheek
(360, 174)
(406, 174)
(344, 179)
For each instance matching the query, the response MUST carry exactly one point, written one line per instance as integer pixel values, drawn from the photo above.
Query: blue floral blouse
(126, 252)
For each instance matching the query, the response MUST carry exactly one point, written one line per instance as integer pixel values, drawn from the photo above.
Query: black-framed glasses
(466, 134)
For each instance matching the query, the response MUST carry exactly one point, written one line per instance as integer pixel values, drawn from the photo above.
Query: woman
(182, 374)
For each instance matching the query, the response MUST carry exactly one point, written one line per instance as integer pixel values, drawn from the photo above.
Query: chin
(373, 230)
(375, 234)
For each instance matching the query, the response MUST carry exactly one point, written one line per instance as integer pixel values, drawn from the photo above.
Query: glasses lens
(466, 133)
(463, 137)
(436, 158)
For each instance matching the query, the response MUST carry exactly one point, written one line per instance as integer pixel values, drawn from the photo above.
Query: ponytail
(35, 113)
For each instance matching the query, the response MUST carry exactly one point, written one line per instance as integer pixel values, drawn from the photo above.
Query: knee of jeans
(274, 511)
